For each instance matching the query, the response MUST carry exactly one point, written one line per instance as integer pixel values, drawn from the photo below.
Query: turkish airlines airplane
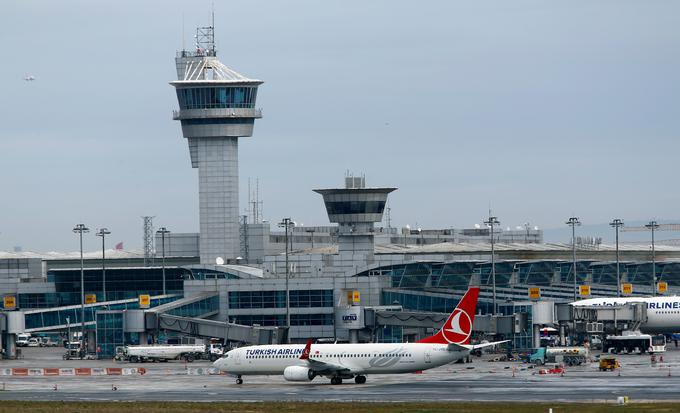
(663, 313)
(297, 362)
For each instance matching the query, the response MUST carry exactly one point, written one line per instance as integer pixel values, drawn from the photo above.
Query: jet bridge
(609, 319)
(189, 316)
(199, 327)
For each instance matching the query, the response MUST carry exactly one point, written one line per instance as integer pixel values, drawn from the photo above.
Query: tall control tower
(216, 107)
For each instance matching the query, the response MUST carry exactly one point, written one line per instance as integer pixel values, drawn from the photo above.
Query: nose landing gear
(239, 380)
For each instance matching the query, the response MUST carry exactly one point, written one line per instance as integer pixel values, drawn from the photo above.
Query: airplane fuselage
(359, 359)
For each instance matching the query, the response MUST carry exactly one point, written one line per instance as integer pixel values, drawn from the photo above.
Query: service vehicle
(73, 351)
(22, 339)
(48, 342)
(166, 352)
(609, 363)
(33, 342)
(570, 356)
(635, 342)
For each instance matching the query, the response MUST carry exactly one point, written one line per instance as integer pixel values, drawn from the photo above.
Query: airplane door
(237, 358)
(428, 357)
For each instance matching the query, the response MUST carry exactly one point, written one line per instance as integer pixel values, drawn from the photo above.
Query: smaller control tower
(355, 209)
(216, 107)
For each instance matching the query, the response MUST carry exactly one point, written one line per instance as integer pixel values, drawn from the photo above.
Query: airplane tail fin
(307, 350)
(458, 327)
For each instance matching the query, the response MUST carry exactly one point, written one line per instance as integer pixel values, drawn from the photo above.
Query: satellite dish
(507, 229)
(535, 228)
(477, 226)
(219, 261)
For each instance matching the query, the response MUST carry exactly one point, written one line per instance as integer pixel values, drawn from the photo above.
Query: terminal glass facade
(54, 317)
(109, 333)
(390, 334)
(197, 308)
(277, 299)
(121, 283)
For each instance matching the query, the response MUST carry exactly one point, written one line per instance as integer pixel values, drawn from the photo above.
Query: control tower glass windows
(217, 97)
(355, 207)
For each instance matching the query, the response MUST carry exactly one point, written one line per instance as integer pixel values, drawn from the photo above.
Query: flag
(119, 246)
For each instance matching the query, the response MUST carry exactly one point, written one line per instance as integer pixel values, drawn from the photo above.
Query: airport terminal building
(352, 280)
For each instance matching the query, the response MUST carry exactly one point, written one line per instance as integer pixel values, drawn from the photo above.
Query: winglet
(307, 350)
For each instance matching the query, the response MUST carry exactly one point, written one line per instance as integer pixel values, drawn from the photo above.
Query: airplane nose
(219, 364)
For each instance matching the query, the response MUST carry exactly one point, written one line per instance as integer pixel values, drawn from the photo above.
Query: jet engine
(298, 373)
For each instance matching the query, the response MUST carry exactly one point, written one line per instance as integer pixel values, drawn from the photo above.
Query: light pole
(653, 226)
(493, 221)
(617, 223)
(311, 232)
(163, 231)
(80, 229)
(68, 332)
(103, 232)
(573, 222)
(286, 223)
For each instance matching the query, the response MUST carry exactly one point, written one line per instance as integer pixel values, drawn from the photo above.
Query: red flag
(119, 246)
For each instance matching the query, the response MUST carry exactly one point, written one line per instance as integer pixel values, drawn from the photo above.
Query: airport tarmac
(478, 381)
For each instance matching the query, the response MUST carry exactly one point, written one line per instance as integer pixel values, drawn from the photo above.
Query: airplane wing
(472, 347)
(319, 366)
(324, 367)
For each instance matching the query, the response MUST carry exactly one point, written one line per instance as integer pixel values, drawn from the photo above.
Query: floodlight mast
(653, 226)
(491, 222)
(573, 222)
(80, 229)
(616, 224)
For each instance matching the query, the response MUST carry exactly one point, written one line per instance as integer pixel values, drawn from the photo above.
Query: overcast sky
(541, 109)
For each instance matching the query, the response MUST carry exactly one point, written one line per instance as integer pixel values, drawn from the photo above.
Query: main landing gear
(357, 379)
(239, 380)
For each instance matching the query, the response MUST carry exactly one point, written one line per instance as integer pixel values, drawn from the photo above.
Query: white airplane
(297, 362)
(29, 78)
(663, 313)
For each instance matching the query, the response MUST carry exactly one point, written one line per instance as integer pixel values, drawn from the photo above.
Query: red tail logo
(307, 350)
(458, 326)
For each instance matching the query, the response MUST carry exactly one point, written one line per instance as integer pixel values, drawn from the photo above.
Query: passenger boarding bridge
(113, 323)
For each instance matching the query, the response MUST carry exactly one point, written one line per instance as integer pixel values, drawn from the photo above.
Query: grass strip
(313, 407)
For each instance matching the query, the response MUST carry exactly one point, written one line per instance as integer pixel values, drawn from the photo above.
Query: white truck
(22, 339)
(166, 352)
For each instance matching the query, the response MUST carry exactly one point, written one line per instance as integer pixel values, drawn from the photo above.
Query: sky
(541, 110)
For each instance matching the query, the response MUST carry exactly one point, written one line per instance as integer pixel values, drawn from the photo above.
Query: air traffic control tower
(355, 209)
(216, 107)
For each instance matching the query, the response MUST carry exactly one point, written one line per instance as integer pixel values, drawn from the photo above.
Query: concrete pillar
(11, 345)
(143, 338)
(537, 335)
(91, 341)
(563, 338)
(353, 336)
